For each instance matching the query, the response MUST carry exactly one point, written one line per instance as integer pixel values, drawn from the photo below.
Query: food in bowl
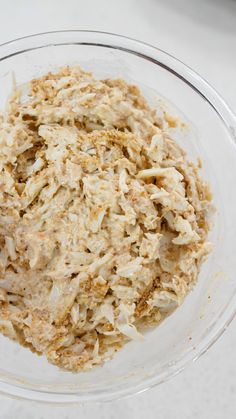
(104, 221)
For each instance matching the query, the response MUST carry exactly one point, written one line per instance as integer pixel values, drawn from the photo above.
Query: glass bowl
(210, 133)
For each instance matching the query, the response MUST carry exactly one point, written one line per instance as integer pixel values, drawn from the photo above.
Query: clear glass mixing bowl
(207, 311)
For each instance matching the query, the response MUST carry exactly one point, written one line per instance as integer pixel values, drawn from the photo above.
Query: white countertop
(202, 34)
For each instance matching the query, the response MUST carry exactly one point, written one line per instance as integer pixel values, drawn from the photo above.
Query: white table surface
(202, 33)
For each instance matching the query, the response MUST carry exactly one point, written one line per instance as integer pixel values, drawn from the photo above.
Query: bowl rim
(199, 85)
